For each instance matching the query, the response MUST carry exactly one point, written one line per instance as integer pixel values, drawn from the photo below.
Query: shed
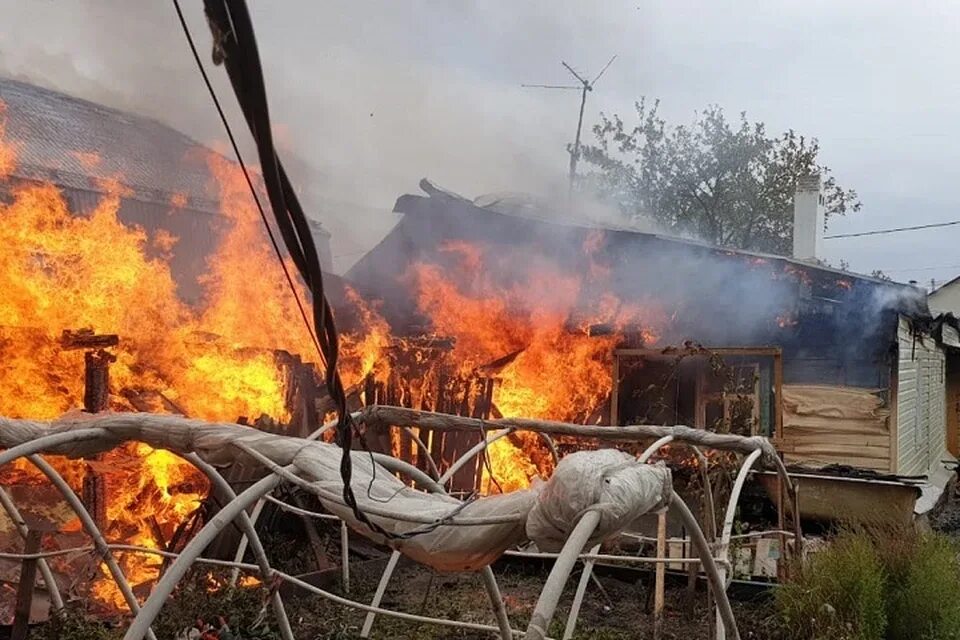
(849, 369)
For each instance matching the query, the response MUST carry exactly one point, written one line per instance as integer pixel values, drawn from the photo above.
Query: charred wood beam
(28, 576)
(87, 339)
(385, 417)
(96, 398)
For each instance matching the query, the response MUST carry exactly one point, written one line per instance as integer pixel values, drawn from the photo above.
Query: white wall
(946, 298)
(921, 403)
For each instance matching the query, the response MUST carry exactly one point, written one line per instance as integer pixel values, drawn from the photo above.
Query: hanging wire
(246, 175)
(235, 47)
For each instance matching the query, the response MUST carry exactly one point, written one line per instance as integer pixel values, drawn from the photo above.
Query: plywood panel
(825, 425)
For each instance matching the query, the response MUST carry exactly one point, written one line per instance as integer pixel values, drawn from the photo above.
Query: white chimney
(808, 219)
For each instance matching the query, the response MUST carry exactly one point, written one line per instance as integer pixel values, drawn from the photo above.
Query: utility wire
(246, 175)
(878, 232)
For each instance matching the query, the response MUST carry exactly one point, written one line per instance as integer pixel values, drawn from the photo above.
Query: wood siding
(921, 402)
(825, 425)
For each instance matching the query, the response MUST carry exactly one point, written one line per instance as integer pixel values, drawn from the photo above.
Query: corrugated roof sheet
(58, 136)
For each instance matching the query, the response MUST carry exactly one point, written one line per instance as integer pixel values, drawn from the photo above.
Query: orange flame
(64, 271)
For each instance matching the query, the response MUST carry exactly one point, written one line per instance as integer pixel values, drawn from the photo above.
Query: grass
(838, 595)
(924, 593)
(876, 584)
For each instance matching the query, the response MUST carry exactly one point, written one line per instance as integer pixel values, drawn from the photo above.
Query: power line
(878, 232)
(911, 269)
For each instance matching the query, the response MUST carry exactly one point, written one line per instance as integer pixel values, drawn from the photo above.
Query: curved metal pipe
(400, 466)
(242, 545)
(553, 588)
(426, 452)
(571, 625)
(653, 448)
(489, 583)
(725, 618)
(378, 595)
(92, 530)
(471, 453)
(724, 547)
(180, 566)
(7, 503)
(250, 532)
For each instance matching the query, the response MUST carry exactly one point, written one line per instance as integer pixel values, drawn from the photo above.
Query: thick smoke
(358, 125)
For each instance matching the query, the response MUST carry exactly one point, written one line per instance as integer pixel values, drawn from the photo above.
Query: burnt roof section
(906, 299)
(57, 135)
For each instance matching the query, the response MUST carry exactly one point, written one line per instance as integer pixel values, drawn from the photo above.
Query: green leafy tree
(728, 183)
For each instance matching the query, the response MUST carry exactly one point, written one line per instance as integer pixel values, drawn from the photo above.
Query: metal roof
(74, 142)
(527, 207)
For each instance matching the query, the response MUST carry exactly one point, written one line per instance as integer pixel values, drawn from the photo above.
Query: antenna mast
(584, 87)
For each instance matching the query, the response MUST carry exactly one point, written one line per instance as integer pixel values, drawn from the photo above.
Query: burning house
(137, 277)
(614, 326)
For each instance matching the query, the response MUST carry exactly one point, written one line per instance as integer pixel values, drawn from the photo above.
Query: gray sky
(372, 96)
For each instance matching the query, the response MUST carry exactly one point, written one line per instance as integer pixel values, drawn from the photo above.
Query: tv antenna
(584, 87)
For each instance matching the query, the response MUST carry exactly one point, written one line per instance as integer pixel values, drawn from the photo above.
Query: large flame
(528, 322)
(494, 303)
(60, 270)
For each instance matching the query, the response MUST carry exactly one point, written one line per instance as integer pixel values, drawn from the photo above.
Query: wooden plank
(831, 448)
(854, 439)
(722, 351)
(876, 464)
(778, 393)
(660, 576)
(28, 577)
(615, 391)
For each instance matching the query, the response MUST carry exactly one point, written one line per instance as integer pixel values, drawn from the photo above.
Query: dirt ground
(619, 611)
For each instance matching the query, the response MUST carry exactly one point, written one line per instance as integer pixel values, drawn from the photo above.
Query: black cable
(235, 47)
(879, 232)
(246, 175)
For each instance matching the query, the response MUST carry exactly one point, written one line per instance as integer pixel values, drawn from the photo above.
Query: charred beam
(71, 340)
(385, 417)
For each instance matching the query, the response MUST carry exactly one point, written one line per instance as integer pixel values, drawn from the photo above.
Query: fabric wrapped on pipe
(472, 536)
(608, 481)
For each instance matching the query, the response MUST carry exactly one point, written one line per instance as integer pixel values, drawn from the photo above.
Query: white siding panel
(921, 402)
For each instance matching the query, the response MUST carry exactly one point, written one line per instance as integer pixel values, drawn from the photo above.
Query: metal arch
(489, 579)
(482, 445)
(250, 532)
(7, 503)
(192, 551)
(724, 546)
(471, 453)
(426, 452)
(92, 530)
(725, 618)
(553, 588)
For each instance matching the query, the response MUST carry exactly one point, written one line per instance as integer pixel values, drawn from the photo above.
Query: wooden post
(693, 572)
(781, 526)
(28, 576)
(661, 576)
(96, 398)
(313, 536)
(797, 529)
